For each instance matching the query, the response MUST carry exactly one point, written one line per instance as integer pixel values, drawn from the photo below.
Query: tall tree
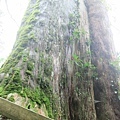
(103, 54)
(50, 63)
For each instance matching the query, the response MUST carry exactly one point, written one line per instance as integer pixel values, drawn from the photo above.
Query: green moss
(23, 37)
(14, 57)
(31, 13)
(36, 49)
(47, 63)
(16, 73)
(40, 97)
(29, 73)
(24, 29)
(32, 17)
(32, 104)
(30, 65)
(14, 83)
(2, 93)
(31, 36)
(11, 99)
(9, 63)
(48, 69)
(83, 32)
(76, 33)
(24, 59)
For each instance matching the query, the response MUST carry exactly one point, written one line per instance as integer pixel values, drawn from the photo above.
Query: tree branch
(10, 13)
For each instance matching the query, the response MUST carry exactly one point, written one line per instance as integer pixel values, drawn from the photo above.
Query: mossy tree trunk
(50, 63)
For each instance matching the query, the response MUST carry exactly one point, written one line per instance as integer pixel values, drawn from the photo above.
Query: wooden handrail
(16, 112)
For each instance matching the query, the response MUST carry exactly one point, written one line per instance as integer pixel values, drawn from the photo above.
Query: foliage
(29, 73)
(38, 96)
(13, 83)
(11, 98)
(30, 65)
(76, 33)
(81, 63)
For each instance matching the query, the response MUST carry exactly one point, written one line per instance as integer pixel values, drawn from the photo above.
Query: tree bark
(103, 52)
(54, 67)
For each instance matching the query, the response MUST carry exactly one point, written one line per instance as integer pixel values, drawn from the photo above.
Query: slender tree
(50, 63)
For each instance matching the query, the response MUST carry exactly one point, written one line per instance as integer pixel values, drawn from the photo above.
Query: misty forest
(63, 65)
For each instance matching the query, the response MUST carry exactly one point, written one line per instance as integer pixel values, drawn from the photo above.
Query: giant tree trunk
(103, 53)
(50, 63)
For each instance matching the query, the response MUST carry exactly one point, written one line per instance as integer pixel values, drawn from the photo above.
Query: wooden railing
(16, 112)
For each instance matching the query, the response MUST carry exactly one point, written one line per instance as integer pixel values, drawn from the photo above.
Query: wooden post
(16, 112)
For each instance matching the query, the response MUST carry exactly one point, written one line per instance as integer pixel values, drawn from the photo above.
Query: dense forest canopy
(63, 64)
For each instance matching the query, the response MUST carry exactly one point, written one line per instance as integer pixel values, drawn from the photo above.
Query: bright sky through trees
(114, 15)
(17, 9)
(9, 26)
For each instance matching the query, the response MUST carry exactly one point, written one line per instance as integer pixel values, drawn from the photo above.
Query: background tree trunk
(103, 53)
